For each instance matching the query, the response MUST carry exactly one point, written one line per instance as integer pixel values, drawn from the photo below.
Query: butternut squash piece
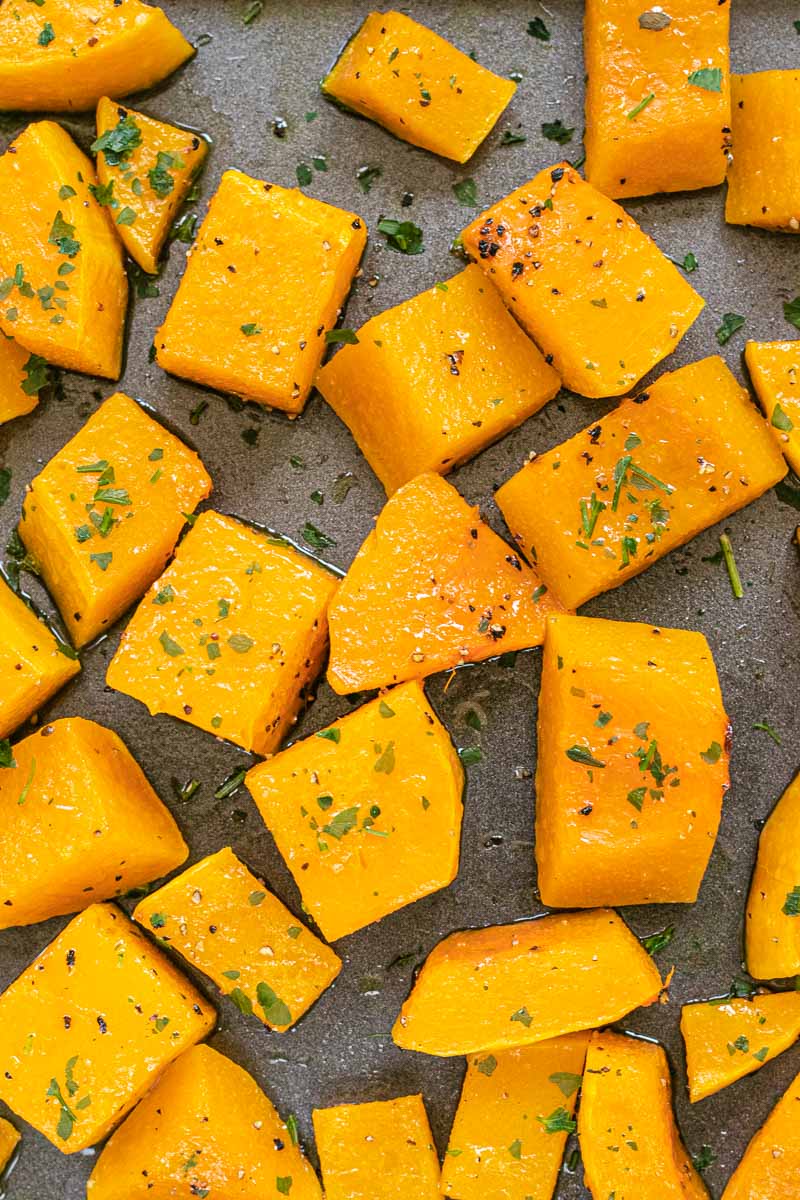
(146, 168)
(774, 369)
(85, 1030)
(614, 499)
(9, 1140)
(264, 282)
(418, 86)
(511, 1124)
(377, 1151)
(63, 55)
(658, 96)
(726, 1040)
(79, 823)
(513, 985)
(630, 1144)
(20, 381)
(62, 282)
(436, 379)
(102, 518)
(431, 587)
(223, 921)
(33, 665)
(584, 280)
(633, 763)
(770, 1166)
(366, 813)
(231, 637)
(763, 188)
(205, 1129)
(772, 925)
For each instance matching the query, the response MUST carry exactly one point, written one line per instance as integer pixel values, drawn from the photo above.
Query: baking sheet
(244, 78)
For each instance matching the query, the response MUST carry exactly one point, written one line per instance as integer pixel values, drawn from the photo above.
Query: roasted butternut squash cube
(33, 664)
(658, 96)
(633, 763)
(436, 379)
(80, 823)
(511, 1123)
(431, 587)
(650, 476)
(630, 1144)
(206, 1128)
(63, 286)
(85, 1030)
(9, 1140)
(232, 635)
(366, 813)
(20, 380)
(726, 1040)
(418, 86)
(380, 1150)
(62, 57)
(770, 1166)
(103, 517)
(772, 926)
(763, 187)
(221, 918)
(264, 282)
(586, 282)
(145, 168)
(513, 985)
(774, 369)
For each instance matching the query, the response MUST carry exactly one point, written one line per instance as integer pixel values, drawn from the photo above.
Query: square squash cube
(661, 467)
(775, 374)
(591, 288)
(264, 282)
(658, 96)
(763, 183)
(102, 518)
(418, 86)
(366, 813)
(224, 922)
(85, 1030)
(633, 763)
(22, 376)
(436, 379)
(33, 664)
(232, 635)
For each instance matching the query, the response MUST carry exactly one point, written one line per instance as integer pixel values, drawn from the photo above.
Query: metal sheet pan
(242, 79)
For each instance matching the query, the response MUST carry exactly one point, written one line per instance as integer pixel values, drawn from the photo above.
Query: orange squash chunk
(658, 97)
(772, 926)
(63, 56)
(726, 1040)
(763, 188)
(511, 1123)
(630, 1144)
(9, 1140)
(33, 665)
(650, 476)
(586, 282)
(377, 1151)
(436, 379)
(774, 369)
(418, 86)
(220, 918)
(367, 813)
(79, 823)
(431, 587)
(512, 985)
(62, 280)
(98, 1014)
(104, 515)
(265, 281)
(633, 763)
(206, 1129)
(19, 386)
(146, 167)
(232, 635)
(770, 1166)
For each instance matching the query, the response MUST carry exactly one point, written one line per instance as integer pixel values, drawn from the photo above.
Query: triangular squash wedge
(63, 288)
(20, 379)
(432, 587)
(726, 1040)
